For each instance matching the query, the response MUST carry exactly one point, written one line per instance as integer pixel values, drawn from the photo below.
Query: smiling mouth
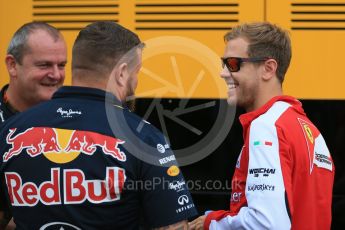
(49, 85)
(232, 85)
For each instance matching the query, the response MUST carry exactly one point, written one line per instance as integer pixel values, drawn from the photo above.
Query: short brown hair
(100, 45)
(265, 40)
(18, 46)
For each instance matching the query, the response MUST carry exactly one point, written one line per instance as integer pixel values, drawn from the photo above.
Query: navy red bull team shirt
(81, 161)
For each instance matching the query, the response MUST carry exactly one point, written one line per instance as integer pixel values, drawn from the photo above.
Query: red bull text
(76, 189)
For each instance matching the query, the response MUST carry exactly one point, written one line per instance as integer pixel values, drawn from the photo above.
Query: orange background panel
(189, 66)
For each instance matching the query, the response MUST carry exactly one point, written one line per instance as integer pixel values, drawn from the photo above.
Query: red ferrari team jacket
(284, 174)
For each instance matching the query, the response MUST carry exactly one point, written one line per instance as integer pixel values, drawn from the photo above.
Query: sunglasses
(234, 63)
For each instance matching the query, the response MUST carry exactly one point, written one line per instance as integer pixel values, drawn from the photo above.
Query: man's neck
(99, 85)
(12, 101)
(265, 96)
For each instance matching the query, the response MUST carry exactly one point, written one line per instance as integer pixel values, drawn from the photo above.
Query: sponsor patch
(68, 112)
(168, 159)
(184, 208)
(185, 203)
(173, 170)
(319, 154)
(322, 157)
(309, 139)
(182, 200)
(261, 187)
(178, 186)
(160, 148)
(267, 143)
(72, 188)
(265, 172)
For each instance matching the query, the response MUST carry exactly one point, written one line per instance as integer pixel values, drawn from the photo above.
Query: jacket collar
(247, 118)
(87, 93)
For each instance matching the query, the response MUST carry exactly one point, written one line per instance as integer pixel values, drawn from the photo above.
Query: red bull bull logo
(60, 145)
(86, 142)
(72, 189)
(35, 140)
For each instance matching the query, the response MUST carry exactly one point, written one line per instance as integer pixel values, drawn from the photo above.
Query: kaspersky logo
(61, 145)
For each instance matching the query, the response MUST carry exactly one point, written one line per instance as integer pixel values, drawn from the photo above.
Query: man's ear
(121, 74)
(270, 69)
(11, 65)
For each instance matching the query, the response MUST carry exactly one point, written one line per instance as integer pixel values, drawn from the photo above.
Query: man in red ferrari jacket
(284, 174)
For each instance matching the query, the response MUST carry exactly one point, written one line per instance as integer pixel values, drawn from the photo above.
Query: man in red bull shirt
(82, 160)
(35, 60)
(284, 174)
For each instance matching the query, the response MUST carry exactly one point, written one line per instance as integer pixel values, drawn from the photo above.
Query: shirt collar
(87, 93)
(4, 103)
(247, 118)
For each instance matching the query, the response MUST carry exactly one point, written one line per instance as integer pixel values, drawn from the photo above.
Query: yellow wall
(185, 63)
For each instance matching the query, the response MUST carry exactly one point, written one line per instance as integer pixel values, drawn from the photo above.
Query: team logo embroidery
(173, 170)
(182, 200)
(308, 133)
(318, 152)
(61, 145)
(160, 148)
(309, 139)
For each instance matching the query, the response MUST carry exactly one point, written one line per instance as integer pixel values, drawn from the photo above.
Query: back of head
(18, 46)
(265, 40)
(99, 47)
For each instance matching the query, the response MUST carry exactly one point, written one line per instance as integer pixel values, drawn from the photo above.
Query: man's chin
(231, 101)
(46, 96)
(130, 101)
(131, 105)
(47, 92)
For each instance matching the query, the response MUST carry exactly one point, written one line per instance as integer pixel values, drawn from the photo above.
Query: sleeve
(264, 190)
(3, 201)
(166, 200)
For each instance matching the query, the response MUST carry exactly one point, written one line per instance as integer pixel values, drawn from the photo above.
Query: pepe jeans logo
(177, 186)
(68, 113)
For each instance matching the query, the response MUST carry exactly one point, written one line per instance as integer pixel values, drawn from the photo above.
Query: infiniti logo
(183, 200)
(60, 226)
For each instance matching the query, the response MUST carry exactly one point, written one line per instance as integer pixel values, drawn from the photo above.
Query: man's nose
(55, 73)
(225, 73)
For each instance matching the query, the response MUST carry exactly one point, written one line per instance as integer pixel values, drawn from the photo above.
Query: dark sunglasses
(234, 63)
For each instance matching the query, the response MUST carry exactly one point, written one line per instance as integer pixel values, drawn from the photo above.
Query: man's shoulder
(26, 118)
(274, 114)
(142, 127)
